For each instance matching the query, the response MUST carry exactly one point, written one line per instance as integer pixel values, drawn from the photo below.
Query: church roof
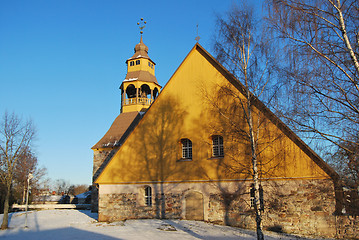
(141, 76)
(119, 130)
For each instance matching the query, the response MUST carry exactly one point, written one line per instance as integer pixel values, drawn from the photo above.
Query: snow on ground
(82, 225)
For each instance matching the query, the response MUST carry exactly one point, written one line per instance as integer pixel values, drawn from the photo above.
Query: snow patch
(82, 224)
(130, 79)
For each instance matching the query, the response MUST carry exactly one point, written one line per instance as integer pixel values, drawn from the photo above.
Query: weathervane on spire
(142, 25)
(197, 38)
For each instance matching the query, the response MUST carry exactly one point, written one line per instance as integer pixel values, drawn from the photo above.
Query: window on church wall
(186, 148)
(138, 62)
(148, 196)
(217, 146)
(132, 63)
(150, 65)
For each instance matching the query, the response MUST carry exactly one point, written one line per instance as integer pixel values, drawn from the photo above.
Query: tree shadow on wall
(228, 118)
(158, 148)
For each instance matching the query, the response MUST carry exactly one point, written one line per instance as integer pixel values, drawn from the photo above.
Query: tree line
(19, 168)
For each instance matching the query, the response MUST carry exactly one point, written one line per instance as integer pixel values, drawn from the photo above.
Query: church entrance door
(194, 206)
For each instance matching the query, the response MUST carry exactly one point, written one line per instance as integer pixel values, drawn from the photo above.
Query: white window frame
(217, 146)
(148, 196)
(186, 148)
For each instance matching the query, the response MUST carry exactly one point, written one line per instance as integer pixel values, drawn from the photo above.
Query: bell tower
(140, 87)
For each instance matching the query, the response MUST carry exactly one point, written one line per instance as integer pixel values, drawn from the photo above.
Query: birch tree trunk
(242, 48)
(257, 200)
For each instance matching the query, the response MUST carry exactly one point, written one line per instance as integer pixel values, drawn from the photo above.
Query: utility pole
(30, 176)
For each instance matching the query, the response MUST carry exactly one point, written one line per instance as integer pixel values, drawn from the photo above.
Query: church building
(176, 153)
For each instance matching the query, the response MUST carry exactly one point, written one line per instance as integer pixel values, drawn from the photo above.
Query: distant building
(171, 155)
(83, 198)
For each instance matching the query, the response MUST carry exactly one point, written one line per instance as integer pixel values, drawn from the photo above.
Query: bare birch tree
(15, 139)
(241, 48)
(320, 43)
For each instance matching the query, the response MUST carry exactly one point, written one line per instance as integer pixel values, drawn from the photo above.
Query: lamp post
(30, 176)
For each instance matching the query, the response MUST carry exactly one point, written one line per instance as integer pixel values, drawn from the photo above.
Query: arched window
(217, 146)
(131, 91)
(155, 93)
(148, 196)
(145, 91)
(186, 148)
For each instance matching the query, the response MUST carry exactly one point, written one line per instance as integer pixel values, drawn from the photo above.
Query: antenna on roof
(197, 38)
(142, 25)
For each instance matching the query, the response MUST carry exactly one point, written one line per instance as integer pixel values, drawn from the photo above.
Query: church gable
(183, 120)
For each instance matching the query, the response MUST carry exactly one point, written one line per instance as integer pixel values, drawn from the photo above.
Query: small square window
(132, 63)
(138, 62)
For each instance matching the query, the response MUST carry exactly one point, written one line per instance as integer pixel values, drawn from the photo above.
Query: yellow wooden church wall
(152, 152)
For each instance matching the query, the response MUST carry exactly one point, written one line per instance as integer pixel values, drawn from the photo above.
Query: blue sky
(62, 62)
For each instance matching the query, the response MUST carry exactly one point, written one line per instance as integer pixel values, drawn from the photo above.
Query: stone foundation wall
(94, 198)
(231, 210)
(123, 206)
(115, 207)
(302, 207)
(347, 227)
(99, 158)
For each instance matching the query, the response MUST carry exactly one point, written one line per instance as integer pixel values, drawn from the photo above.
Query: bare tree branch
(15, 140)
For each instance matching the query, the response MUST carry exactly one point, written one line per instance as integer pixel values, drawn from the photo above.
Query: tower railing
(143, 101)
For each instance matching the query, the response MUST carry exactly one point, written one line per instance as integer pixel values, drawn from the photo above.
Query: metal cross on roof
(142, 25)
(197, 38)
